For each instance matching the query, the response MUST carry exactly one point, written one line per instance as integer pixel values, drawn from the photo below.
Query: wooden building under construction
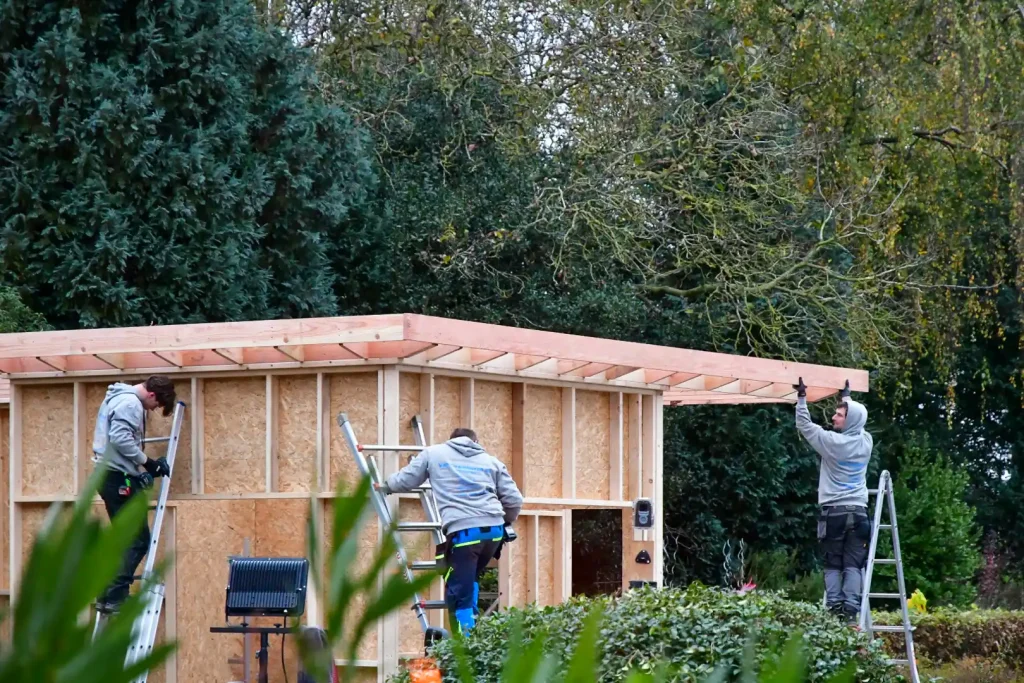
(577, 420)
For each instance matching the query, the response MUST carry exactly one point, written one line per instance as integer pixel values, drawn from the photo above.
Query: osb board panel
(48, 439)
(356, 395)
(368, 546)
(447, 407)
(592, 445)
(518, 569)
(235, 435)
(158, 425)
(492, 418)
(296, 436)
(207, 533)
(5, 460)
(408, 405)
(542, 448)
(546, 528)
(32, 518)
(419, 546)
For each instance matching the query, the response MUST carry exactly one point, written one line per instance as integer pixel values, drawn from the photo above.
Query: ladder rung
(419, 526)
(885, 596)
(431, 604)
(903, 662)
(885, 560)
(885, 526)
(424, 565)
(421, 489)
(891, 629)
(379, 447)
(156, 439)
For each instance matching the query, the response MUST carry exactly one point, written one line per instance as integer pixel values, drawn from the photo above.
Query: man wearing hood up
(117, 446)
(843, 527)
(476, 497)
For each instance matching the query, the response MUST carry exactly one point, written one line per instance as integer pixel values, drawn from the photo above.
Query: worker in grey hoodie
(117, 445)
(844, 530)
(476, 498)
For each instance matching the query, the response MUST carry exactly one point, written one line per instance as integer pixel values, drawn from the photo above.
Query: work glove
(845, 393)
(801, 388)
(158, 468)
(145, 480)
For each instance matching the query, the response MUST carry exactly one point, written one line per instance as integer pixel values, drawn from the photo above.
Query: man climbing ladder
(118, 446)
(844, 530)
(476, 497)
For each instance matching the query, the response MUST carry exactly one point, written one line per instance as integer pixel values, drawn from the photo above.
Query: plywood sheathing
(357, 396)
(492, 418)
(5, 473)
(447, 407)
(48, 440)
(297, 415)
(592, 445)
(235, 432)
(368, 547)
(542, 448)
(547, 593)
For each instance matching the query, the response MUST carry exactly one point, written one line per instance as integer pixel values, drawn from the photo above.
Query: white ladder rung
(885, 596)
(156, 439)
(389, 449)
(891, 629)
(425, 565)
(419, 526)
(885, 560)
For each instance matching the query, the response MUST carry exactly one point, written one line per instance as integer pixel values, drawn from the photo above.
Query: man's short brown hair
(463, 431)
(163, 389)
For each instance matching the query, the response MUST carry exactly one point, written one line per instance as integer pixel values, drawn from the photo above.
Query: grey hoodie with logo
(844, 455)
(472, 488)
(120, 428)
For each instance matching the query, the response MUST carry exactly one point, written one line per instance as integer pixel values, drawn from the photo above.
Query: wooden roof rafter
(686, 376)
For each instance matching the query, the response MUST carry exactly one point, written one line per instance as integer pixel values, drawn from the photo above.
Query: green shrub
(948, 636)
(695, 631)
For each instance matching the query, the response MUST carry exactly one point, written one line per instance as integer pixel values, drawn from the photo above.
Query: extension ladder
(368, 467)
(885, 492)
(145, 626)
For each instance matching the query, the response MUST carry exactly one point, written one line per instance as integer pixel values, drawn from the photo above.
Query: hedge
(694, 630)
(949, 636)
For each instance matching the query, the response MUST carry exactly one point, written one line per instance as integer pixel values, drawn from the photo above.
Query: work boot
(851, 615)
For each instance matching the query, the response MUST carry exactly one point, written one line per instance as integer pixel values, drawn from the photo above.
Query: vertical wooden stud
(15, 490)
(568, 442)
(171, 595)
(563, 557)
(648, 447)
(615, 445)
(198, 476)
(633, 447)
(533, 560)
(427, 406)
(468, 399)
(273, 425)
(323, 432)
(389, 408)
(659, 488)
(83, 441)
(518, 470)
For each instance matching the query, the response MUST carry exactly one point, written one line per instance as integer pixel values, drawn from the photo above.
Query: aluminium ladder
(885, 492)
(145, 626)
(368, 467)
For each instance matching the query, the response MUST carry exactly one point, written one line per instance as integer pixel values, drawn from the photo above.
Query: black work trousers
(469, 553)
(117, 489)
(844, 532)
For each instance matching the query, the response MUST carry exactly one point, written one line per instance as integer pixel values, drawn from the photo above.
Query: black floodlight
(266, 587)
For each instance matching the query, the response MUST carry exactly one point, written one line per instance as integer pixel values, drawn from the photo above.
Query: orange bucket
(424, 670)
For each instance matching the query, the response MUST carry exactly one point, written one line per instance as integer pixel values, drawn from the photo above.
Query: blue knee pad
(466, 619)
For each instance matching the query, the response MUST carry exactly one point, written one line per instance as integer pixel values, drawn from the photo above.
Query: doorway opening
(596, 552)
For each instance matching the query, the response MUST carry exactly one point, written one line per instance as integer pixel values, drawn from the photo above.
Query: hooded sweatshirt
(120, 428)
(844, 456)
(472, 488)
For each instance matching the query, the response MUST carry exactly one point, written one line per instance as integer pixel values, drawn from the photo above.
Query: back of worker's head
(856, 416)
(463, 431)
(163, 392)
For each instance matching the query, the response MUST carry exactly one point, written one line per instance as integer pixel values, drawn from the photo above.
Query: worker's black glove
(801, 388)
(145, 480)
(846, 390)
(157, 468)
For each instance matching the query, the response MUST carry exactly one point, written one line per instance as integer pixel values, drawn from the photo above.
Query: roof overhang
(685, 376)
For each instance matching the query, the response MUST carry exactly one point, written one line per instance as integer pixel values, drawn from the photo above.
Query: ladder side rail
(165, 489)
(907, 629)
(383, 513)
(865, 603)
(146, 633)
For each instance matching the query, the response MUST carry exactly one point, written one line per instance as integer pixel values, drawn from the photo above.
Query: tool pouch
(441, 557)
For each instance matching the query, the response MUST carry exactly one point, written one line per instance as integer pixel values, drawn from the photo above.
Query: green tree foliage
(167, 163)
(938, 534)
(15, 316)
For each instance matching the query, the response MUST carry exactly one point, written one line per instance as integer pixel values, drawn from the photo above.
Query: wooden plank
(518, 433)
(427, 407)
(14, 488)
(273, 427)
(533, 560)
(569, 442)
(83, 440)
(198, 436)
(390, 411)
(468, 392)
(615, 449)
(633, 445)
(323, 432)
(659, 488)
(562, 552)
(169, 533)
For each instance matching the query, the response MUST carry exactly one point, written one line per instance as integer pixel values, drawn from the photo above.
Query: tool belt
(467, 537)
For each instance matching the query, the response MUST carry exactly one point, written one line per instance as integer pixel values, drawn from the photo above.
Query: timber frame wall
(256, 446)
